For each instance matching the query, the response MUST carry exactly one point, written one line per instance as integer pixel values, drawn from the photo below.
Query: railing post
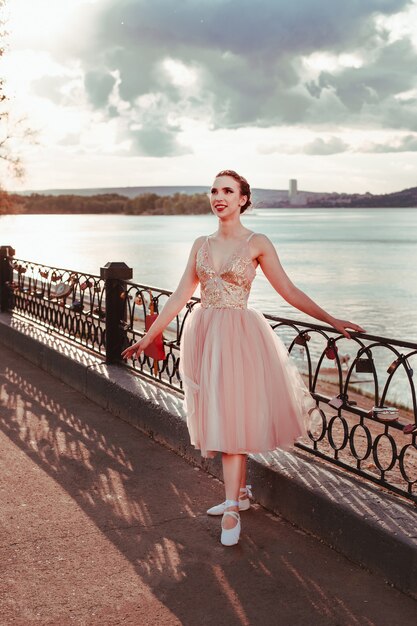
(6, 277)
(114, 275)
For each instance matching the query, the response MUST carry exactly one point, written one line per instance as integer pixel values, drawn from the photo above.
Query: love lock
(385, 413)
(336, 402)
(365, 365)
(394, 365)
(76, 306)
(331, 349)
(409, 369)
(101, 314)
(63, 290)
(398, 362)
(302, 339)
(409, 428)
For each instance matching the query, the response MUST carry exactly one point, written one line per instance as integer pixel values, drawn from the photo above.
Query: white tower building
(292, 192)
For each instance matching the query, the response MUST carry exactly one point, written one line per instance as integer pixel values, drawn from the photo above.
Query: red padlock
(156, 349)
(331, 349)
(302, 339)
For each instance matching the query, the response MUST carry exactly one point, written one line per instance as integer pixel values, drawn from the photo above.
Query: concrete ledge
(368, 525)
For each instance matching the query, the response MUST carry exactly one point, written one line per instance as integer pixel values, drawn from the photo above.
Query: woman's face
(225, 196)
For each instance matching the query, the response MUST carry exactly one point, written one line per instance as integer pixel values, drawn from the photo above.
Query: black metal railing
(105, 313)
(69, 303)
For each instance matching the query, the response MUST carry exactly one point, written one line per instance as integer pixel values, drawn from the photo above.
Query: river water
(358, 264)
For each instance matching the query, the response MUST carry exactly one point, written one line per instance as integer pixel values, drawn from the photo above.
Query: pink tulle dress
(243, 391)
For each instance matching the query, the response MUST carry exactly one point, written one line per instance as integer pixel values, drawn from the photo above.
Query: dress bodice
(230, 286)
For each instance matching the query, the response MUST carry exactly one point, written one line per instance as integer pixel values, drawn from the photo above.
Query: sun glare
(30, 21)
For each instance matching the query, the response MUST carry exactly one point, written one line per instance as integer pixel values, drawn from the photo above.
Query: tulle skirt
(243, 391)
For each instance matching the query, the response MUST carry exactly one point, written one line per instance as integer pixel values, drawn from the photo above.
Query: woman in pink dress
(243, 392)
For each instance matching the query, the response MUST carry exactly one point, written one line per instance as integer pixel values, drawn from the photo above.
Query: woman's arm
(175, 303)
(274, 272)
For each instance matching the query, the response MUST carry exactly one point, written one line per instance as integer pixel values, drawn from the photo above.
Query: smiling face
(225, 196)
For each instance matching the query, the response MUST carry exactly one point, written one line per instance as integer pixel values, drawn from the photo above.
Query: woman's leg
(232, 472)
(243, 474)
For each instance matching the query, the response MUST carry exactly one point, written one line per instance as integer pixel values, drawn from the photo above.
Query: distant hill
(404, 198)
(128, 192)
(266, 197)
(157, 200)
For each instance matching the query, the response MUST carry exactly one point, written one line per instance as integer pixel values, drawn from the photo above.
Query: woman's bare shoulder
(198, 242)
(261, 242)
(260, 237)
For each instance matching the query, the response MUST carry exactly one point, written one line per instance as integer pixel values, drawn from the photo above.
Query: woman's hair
(243, 185)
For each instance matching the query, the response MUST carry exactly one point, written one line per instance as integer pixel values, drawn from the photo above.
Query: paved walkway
(102, 526)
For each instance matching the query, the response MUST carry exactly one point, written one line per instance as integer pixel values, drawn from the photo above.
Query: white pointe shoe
(244, 502)
(230, 536)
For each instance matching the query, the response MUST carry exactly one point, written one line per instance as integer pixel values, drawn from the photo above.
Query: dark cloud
(399, 113)
(157, 142)
(260, 31)
(245, 51)
(392, 71)
(99, 86)
(248, 60)
(156, 135)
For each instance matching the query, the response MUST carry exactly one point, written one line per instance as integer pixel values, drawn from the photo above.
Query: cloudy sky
(165, 92)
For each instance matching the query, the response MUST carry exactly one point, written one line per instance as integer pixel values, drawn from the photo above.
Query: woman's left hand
(340, 325)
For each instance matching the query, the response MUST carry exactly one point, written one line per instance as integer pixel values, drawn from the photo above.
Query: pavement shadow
(151, 505)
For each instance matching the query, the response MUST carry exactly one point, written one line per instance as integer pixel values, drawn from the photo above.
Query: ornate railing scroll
(366, 416)
(348, 427)
(143, 300)
(64, 301)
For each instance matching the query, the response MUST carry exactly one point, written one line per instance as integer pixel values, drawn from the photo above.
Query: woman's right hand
(134, 351)
(341, 326)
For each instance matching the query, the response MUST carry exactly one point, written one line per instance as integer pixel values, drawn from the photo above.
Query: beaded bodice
(230, 286)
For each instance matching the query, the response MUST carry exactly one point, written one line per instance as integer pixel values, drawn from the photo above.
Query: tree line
(144, 204)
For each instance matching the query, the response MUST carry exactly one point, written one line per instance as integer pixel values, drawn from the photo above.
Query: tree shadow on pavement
(150, 504)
